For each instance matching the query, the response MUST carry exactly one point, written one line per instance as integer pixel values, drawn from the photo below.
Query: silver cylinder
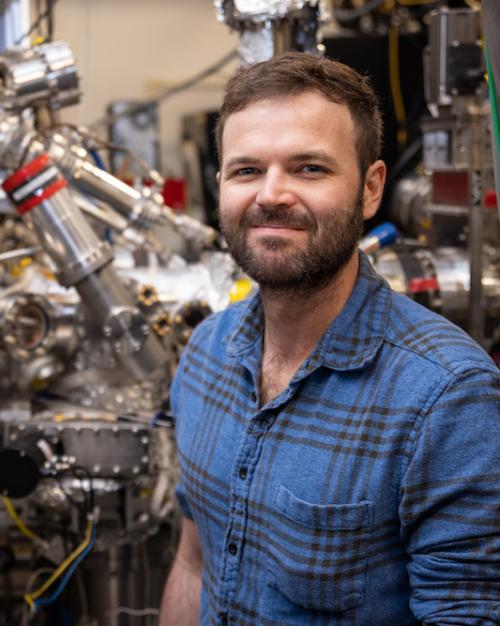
(143, 209)
(112, 308)
(39, 192)
(43, 75)
(68, 239)
(60, 226)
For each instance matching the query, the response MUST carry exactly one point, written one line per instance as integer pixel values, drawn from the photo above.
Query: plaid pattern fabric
(367, 493)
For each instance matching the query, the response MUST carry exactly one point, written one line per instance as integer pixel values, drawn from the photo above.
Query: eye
(312, 168)
(245, 171)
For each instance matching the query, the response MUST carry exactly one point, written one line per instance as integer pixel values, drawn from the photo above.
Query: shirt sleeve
(450, 504)
(175, 401)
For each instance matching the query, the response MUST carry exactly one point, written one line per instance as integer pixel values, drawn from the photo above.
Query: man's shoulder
(433, 339)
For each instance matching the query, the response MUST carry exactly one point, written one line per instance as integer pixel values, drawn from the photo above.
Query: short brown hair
(296, 72)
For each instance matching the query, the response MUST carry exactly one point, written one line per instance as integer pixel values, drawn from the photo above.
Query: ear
(374, 188)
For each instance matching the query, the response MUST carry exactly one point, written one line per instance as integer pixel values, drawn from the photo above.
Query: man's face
(291, 198)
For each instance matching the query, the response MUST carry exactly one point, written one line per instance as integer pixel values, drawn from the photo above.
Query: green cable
(494, 104)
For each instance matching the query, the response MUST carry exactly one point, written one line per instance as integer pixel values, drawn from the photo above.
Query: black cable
(106, 145)
(50, 19)
(90, 491)
(168, 92)
(398, 167)
(81, 508)
(45, 15)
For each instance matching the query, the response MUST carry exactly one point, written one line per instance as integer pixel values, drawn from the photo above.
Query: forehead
(307, 120)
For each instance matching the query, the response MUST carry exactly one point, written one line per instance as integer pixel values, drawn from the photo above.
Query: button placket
(223, 619)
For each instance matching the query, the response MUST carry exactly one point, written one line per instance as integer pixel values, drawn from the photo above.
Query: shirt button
(232, 548)
(253, 397)
(223, 619)
(243, 473)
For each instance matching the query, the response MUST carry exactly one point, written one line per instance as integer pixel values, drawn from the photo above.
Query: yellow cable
(64, 565)
(412, 3)
(397, 96)
(18, 521)
(31, 604)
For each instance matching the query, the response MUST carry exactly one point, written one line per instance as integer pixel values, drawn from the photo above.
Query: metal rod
(18, 253)
(476, 311)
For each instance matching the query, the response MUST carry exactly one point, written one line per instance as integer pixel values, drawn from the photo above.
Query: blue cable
(97, 159)
(69, 572)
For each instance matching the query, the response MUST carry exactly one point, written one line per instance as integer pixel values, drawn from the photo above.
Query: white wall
(128, 49)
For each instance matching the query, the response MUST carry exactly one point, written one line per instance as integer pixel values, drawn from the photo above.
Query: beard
(285, 266)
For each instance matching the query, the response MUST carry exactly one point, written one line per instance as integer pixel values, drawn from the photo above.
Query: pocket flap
(325, 516)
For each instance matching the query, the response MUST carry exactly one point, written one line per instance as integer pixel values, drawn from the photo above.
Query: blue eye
(310, 168)
(246, 171)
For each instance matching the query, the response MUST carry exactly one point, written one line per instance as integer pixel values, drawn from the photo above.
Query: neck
(296, 319)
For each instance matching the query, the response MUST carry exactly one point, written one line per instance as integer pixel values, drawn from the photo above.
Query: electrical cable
(395, 83)
(82, 509)
(169, 91)
(494, 104)
(45, 15)
(495, 122)
(155, 176)
(136, 612)
(70, 559)
(16, 518)
(415, 3)
(50, 19)
(67, 576)
(400, 164)
(31, 580)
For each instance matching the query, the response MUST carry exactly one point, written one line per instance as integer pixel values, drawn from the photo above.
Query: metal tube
(39, 192)
(111, 306)
(141, 210)
(18, 253)
(68, 239)
(476, 315)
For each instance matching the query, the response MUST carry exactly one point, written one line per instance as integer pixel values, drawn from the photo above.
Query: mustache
(262, 216)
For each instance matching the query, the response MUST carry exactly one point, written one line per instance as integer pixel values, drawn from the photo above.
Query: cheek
(235, 200)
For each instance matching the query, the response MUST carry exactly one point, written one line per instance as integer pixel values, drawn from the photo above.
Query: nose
(275, 190)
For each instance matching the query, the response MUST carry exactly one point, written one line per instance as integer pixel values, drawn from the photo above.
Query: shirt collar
(352, 339)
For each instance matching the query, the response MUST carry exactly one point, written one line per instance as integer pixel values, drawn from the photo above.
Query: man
(338, 443)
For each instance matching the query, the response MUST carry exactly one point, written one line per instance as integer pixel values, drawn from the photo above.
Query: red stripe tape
(34, 201)
(417, 285)
(26, 172)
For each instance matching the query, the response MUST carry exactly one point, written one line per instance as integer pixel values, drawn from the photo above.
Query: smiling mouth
(277, 227)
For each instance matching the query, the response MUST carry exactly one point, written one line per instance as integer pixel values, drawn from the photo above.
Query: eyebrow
(311, 155)
(239, 160)
(315, 155)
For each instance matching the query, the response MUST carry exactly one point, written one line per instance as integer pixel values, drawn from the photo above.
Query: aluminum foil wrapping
(262, 10)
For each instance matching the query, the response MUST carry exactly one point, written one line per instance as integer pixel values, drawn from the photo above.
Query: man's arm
(181, 599)
(451, 503)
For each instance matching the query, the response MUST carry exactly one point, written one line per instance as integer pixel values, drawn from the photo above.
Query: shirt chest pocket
(317, 553)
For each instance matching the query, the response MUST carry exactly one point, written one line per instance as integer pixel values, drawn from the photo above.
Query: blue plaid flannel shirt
(367, 493)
